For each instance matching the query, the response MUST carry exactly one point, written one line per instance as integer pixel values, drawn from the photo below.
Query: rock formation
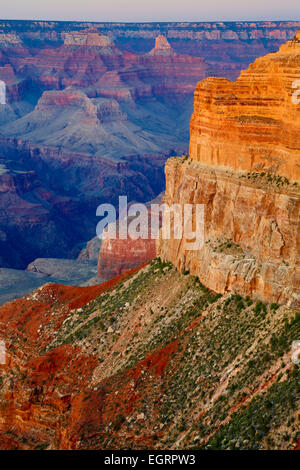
(118, 256)
(89, 37)
(122, 253)
(251, 124)
(244, 166)
(162, 46)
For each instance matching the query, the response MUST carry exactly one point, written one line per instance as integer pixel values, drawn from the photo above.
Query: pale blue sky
(151, 10)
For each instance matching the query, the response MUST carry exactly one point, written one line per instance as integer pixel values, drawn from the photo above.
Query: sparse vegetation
(202, 370)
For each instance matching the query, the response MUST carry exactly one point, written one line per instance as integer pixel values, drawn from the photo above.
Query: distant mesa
(87, 37)
(66, 97)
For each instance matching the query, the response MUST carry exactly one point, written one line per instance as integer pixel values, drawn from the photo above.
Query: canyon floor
(150, 360)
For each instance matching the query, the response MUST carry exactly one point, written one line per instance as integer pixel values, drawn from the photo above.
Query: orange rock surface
(252, 220)
(252, 238)
(252, 124)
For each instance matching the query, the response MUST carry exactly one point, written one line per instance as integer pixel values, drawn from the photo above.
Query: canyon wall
(121, 253)
(224, 46)
(41, 213)
(101, 106)
(251, 124)
(244, 166)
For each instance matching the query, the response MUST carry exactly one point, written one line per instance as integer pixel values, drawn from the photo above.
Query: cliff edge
(244, 166)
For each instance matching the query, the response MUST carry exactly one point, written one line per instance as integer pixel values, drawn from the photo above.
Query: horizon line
(154, 21)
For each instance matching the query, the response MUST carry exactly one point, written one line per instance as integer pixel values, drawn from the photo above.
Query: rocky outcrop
(162, 46)
(251, 232)
(251, 124)
(122, 252)
(244, 168)
(118, 256)
(169, 72)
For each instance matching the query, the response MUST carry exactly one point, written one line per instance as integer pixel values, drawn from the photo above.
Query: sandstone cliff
(244, 166)
(251, 124)
(122, 253)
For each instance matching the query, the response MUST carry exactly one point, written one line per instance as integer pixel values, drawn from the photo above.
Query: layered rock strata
(244, 166)
(122, 253)
(251, 124)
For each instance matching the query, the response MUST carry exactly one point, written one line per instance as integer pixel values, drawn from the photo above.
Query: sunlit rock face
(252, 124)
(244, 166)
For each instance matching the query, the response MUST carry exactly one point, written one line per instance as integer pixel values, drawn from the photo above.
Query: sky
(151, 10)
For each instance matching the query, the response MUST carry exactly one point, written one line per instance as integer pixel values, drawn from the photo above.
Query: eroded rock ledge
(251, 231)
(252, 124)
(244, 167)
